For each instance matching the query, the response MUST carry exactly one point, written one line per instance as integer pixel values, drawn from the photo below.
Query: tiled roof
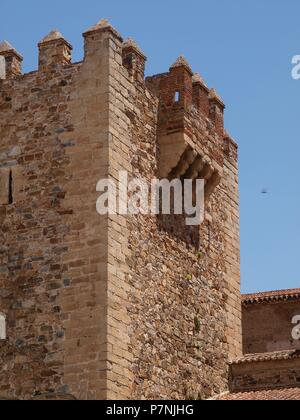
(277, 295)
(265, 357)
(284, 394)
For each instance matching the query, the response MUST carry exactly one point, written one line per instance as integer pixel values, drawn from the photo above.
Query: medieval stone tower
(112, 307)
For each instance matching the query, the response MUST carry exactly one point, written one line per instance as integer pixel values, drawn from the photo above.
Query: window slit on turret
(10, 188)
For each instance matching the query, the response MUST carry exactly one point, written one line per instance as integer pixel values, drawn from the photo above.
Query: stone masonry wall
(266, 374)
(232, 246)
(53, 284)
(178, 307)
(267, 327)
(107, 307)
(180, 290)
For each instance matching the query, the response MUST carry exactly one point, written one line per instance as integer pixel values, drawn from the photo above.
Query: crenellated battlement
(179, 90)
(190, 89)
(54, 50)
(134, 60)
(113, 306)
(12, 64)
(188, 109)
(190, 115)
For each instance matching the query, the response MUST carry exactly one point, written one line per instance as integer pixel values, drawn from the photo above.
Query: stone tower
(113, 307)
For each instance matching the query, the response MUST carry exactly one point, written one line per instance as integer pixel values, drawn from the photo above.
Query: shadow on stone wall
(175, 226)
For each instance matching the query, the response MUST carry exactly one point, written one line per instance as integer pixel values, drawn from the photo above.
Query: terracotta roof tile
(284, 394)
(265, 357)
(273, 296)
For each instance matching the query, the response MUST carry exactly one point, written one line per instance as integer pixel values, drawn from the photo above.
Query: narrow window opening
(10, 188)
(177, 96)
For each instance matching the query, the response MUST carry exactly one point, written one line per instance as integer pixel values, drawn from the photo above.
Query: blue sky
(242, 48)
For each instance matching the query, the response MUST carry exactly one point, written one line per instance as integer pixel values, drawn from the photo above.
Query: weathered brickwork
(106, 307)
(271, 371)
(267, 326)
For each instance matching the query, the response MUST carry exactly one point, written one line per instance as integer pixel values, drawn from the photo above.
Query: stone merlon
(103, 25)
(13, 60)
